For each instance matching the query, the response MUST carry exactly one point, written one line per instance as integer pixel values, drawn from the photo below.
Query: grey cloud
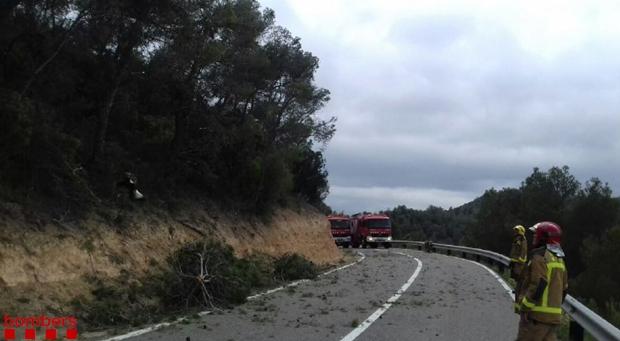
(356, 199)
(463, 106)
(432, 31)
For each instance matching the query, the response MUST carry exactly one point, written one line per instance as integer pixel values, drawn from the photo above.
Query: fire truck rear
(341, 230)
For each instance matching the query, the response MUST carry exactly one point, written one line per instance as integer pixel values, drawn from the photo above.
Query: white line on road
(151, 328)
(362, 257)
(499, 279)
(296, 283)
(372, 318)
(271, 291)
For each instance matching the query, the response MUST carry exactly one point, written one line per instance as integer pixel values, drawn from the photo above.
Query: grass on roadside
(203, 275)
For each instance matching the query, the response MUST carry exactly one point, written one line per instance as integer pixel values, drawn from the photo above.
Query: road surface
(446, 298)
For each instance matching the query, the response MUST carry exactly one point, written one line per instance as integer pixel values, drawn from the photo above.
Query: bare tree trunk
(180, 132)
(123, 52)
(278, 119)
(181, 116)
(104, 119)
(46, 62)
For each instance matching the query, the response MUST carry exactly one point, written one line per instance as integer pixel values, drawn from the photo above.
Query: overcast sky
(439, 100)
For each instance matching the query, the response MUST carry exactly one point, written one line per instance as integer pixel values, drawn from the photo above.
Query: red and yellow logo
(52, 328)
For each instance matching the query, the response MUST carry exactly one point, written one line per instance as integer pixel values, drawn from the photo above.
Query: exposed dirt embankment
(44, 263)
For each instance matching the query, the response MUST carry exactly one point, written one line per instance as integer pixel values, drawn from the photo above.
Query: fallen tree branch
(193, 228)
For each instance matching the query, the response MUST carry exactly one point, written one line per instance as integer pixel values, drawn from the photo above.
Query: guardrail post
(464, 255)
(448, 252)
(478, 258)
(575, 331)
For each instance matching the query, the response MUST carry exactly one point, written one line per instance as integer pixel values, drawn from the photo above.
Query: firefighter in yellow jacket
(543, 287)
(518, 252)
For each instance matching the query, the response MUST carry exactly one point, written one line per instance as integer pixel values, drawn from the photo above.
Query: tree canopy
(208, 96)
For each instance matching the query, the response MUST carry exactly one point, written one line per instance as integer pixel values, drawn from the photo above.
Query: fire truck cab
(369, 229)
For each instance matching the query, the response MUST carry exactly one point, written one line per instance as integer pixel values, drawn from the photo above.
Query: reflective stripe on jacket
(544, 284)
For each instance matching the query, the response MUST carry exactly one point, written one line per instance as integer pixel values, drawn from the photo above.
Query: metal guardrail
(585, 319)
(582, 318)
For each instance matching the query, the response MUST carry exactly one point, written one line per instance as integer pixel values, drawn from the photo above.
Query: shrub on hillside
(204, 274)
(258, 270)
(117, 304)
(293, 266)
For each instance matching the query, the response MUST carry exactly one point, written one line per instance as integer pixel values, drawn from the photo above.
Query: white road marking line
(296, 283)
(271, 291)
(372, 318)
(151, 328)
(499, 279)
(362, 257)
(202, 313)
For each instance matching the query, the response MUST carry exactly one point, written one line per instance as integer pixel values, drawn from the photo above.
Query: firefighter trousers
(536, 331)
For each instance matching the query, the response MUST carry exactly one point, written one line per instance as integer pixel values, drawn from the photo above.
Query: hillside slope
(44, 264)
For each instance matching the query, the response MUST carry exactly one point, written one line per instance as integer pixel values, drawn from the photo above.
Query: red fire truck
(341, 229)
(368, 229)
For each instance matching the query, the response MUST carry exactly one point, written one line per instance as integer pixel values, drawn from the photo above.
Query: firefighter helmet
(546, 232)
(519, 230)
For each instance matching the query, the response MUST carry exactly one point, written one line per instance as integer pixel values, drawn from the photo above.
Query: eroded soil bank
(47, 262)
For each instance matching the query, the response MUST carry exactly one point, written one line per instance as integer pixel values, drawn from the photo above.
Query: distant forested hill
(434, 223)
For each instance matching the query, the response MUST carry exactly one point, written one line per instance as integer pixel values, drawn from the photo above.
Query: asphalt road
(447, 299)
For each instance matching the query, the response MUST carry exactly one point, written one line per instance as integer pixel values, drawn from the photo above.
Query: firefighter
(544, 285)
(518, 252)
(428, 246)
(130, 183)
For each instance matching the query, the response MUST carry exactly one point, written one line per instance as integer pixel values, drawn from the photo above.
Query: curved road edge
(372, 318)
(158, 326)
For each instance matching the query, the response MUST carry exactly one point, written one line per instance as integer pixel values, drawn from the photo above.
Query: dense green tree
(310, 176)
(499, 212)
(600, 279)
(434, 223)
(545, 195)
(208, 97)
(590, 215)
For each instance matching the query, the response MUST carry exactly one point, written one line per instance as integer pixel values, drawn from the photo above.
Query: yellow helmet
(519, 229)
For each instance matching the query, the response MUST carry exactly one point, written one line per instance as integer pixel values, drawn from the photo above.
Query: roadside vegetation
(207, 102)
(202, 276)
(293, 267)
(198, 99)
(434, 223)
